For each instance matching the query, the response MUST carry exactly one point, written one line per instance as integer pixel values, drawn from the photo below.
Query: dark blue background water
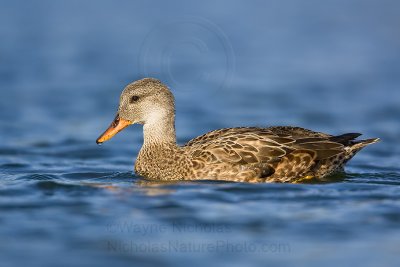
(331, 66)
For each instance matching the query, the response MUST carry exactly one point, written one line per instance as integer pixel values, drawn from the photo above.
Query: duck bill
(115, 127)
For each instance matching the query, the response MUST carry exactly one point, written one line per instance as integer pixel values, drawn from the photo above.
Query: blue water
(331, 66)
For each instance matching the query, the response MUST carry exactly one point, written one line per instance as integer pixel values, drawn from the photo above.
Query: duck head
(147, 102)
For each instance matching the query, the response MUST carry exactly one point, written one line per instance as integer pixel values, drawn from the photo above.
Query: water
(330, 66)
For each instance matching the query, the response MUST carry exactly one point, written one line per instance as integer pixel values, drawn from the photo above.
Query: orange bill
(115, 127)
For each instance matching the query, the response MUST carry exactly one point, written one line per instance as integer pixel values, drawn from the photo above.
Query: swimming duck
(246, 154)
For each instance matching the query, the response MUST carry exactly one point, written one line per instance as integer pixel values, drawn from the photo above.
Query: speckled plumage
(245, 154)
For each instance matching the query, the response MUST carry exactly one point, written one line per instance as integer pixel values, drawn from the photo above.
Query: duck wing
(243, 145)
(247, 145)
(324, 145)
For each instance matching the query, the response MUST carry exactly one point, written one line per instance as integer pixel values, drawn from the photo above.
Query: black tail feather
(344, 139)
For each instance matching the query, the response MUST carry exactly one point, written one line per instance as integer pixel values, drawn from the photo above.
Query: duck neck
(160, 155)
(159, 132)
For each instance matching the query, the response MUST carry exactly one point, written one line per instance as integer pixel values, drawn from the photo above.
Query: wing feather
(248, 145)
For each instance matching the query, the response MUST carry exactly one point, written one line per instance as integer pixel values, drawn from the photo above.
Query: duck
(277, 154)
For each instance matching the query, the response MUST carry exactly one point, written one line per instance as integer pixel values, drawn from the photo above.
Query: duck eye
(134, 98)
